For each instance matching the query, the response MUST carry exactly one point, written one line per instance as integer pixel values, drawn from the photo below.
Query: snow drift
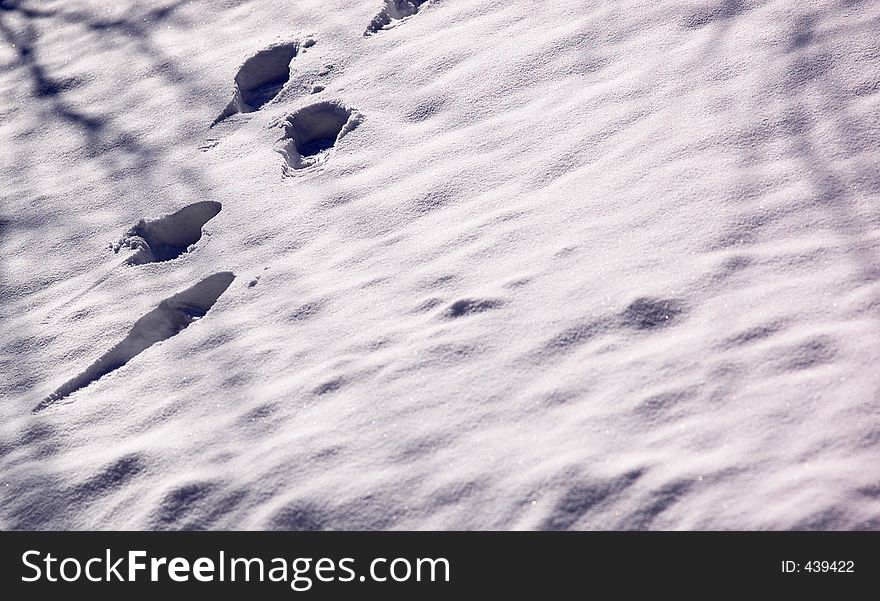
(581, 265)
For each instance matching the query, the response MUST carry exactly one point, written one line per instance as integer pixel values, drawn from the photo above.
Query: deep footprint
(394, 10)
(167, 237)
(260, 79)
(172, 316)
(312, 131)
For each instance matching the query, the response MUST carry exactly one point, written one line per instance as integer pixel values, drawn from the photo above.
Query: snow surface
(587, 265)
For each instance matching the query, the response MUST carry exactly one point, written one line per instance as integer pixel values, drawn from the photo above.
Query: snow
(586, 265)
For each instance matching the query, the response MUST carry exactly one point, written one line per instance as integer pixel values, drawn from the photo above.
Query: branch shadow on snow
(125, 162)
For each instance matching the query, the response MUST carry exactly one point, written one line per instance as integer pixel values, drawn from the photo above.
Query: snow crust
(564, 265)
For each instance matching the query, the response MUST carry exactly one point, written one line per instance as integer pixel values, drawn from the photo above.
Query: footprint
(393, 12)
(172, 316)
(157, 240)
(167, 237)
(261, 78)
(312, 131)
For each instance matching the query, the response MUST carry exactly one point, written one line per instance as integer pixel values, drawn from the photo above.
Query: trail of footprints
(311, 132)
(156, 240)
(308, 135)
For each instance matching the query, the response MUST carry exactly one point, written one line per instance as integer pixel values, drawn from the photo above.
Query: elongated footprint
(172, 316)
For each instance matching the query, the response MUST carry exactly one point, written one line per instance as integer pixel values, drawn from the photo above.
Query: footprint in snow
(152, 241)
(392, 13)
(167, 237)
(172, 316)
(261, 78)
(311, 132)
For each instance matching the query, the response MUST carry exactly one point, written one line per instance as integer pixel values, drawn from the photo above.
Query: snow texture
(557, 265)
